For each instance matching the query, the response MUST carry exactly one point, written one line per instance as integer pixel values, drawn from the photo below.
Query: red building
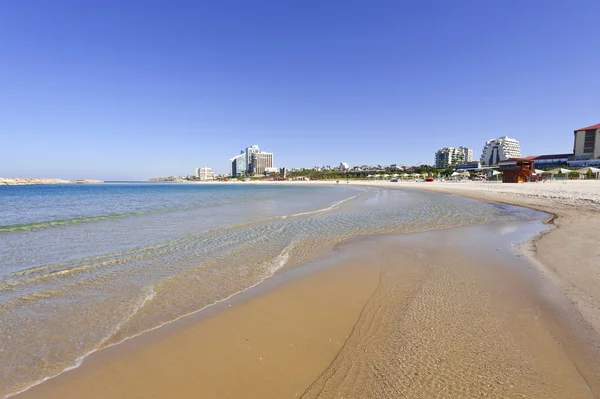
(516, 170)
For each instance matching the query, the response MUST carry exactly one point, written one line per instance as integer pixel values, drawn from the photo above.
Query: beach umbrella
(557, 171)
(455, 174)
(539, 171)
(584, 171)
(395, 175)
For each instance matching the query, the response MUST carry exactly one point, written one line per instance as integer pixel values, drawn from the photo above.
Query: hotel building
(500, 149)
(204, 173)
(586, 147)
(253, 149)
(250, 161)
(238, 165)
(448, 156)
(260, 162)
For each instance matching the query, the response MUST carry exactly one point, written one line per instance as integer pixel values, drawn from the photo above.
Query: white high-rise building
(261, 161)
(500, 149)
(465, 154)
(449, 156)
(204, 173)
(253, 149)
(250, 161)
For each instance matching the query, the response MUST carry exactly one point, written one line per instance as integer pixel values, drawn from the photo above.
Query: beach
(570, 252)
(457, 312)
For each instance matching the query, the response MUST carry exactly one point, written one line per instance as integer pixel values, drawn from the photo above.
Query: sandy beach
(405, 316)
(570, 252)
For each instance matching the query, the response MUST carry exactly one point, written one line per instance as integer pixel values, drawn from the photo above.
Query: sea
(84, 267)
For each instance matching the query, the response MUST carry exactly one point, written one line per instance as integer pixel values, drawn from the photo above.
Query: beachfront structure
(261, 161)
(469, 165)
(238, 165)
(549, 161)
(516, 170)
(449, 156)
(500, 149)
(344, 166)
(586, 143)
(205, 173)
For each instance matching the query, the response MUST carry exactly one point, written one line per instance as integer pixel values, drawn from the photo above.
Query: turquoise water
(87, 266)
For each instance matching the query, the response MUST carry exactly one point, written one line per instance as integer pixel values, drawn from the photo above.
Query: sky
(127, 90)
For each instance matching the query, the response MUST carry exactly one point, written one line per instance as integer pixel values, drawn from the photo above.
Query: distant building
(449, 156)
(260, 162)
(344, 166)
(500, 149)
(586, 144)
(253, 149)
(205, 173)
(250, 161)
(283, 173)
(465, 154)
(238, 165)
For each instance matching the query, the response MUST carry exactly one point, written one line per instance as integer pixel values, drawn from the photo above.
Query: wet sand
(569, 253)
(445, 314)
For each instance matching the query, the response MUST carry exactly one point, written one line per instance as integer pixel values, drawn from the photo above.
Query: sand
(570, 253)
(416, 316)
(270, 346)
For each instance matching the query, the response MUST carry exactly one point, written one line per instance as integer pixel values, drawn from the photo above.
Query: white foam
(329, 208)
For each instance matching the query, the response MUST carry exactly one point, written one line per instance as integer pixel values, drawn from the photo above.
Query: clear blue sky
(133, 89)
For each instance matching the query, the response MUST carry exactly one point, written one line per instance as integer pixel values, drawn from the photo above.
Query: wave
(322, 210)
(112, 216)
(79, 361)
(65, 222)
(276, 264)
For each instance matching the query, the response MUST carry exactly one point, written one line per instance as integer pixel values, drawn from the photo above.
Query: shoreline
(165, 362)
(533, 242)
(566, 202)
(30, 181)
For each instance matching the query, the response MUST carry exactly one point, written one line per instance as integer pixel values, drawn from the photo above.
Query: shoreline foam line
(104, 259)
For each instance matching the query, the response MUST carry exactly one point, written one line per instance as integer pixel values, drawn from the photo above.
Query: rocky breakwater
(80, 181)
(22, 181)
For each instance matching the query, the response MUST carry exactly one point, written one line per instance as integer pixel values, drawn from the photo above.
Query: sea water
(83, 267)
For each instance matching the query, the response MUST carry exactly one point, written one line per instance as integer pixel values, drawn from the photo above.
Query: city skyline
(381, 85)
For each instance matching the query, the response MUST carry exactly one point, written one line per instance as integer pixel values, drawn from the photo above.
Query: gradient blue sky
(133, 89)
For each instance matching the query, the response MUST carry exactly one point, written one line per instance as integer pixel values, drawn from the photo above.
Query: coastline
(27, 181)
(575, 210)
(108, 364)
(573, 224)
(384, 316)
